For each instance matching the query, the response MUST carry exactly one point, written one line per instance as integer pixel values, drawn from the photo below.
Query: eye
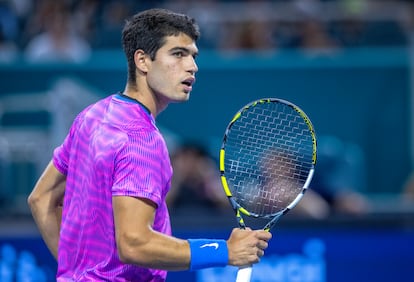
(178, 54)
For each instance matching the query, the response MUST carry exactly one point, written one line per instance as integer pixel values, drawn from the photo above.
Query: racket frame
(238, 209)
(244, 273)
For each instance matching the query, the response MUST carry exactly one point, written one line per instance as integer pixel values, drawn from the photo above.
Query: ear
(141, 60)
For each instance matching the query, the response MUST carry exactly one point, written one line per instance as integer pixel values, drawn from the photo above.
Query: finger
(262, 245)
(260, 253)
(255, 258)
(264, 235)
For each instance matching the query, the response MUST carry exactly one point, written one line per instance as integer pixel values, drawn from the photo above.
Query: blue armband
(207, 253)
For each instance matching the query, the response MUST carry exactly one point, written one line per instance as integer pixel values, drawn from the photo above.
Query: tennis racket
(267, 160)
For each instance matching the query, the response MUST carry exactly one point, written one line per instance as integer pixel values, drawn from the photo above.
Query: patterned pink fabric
(113, 149)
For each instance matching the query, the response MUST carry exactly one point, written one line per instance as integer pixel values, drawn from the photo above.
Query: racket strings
(268, 157)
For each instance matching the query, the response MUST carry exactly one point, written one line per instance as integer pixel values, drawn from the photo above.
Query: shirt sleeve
(61, 153)
(140, 168)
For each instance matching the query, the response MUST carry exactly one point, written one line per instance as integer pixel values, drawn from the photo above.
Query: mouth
(188, 84)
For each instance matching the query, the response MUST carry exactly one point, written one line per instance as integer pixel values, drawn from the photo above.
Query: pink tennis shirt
(113, 149)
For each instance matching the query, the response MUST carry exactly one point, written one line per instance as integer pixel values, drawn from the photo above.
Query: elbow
(127, 257)
(32, 201)
(131, 250)
(125, 254)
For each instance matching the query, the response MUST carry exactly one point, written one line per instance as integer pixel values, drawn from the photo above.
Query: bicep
(138, 243)
(50, 187)
(132, 215)
(133, 218)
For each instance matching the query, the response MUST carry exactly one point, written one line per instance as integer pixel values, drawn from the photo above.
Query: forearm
(170, 253)
(138, 243)
(45, 203)
(48, 223)
(155, 250)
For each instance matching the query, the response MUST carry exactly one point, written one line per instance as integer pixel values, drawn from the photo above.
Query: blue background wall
(306, 251)
(360, 96)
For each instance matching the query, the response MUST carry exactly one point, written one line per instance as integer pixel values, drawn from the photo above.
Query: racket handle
(244, 273)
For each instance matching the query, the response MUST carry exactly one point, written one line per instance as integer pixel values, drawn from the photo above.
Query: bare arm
(45, 202)
(139, 244)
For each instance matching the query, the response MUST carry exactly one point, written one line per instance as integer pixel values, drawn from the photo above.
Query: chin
(183, 98)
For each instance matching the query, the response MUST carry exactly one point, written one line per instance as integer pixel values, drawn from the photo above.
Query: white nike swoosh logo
(215, 245)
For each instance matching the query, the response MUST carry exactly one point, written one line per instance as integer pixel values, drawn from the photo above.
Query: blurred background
(346, 63)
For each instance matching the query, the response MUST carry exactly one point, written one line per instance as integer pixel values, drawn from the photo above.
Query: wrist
(207, 253)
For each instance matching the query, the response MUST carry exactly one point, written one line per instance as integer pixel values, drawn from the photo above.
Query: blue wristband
(207, 253)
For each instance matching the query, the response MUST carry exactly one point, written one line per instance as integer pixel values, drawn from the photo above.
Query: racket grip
(244, 273)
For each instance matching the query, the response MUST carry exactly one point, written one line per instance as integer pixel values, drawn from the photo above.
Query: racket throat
(238, 213)
(240, 220)
(272, 223)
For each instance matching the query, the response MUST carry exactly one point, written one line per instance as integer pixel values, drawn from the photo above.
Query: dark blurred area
(73, 32)
(76, 27)
(346, 63)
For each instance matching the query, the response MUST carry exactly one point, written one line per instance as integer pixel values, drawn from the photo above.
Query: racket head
(267, 157)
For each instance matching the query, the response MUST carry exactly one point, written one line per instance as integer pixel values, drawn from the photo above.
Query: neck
(145, 100)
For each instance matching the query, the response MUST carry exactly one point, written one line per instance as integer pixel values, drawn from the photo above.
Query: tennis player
(100, 203)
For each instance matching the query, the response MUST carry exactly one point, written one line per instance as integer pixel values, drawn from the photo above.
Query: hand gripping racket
(267, 161)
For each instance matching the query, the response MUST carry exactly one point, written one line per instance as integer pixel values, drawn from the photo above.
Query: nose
(193, 68)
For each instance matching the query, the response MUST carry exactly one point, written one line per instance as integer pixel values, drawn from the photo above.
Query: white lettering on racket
(215, 245)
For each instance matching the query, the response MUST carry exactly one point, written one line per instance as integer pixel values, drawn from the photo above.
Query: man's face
(172, 74)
